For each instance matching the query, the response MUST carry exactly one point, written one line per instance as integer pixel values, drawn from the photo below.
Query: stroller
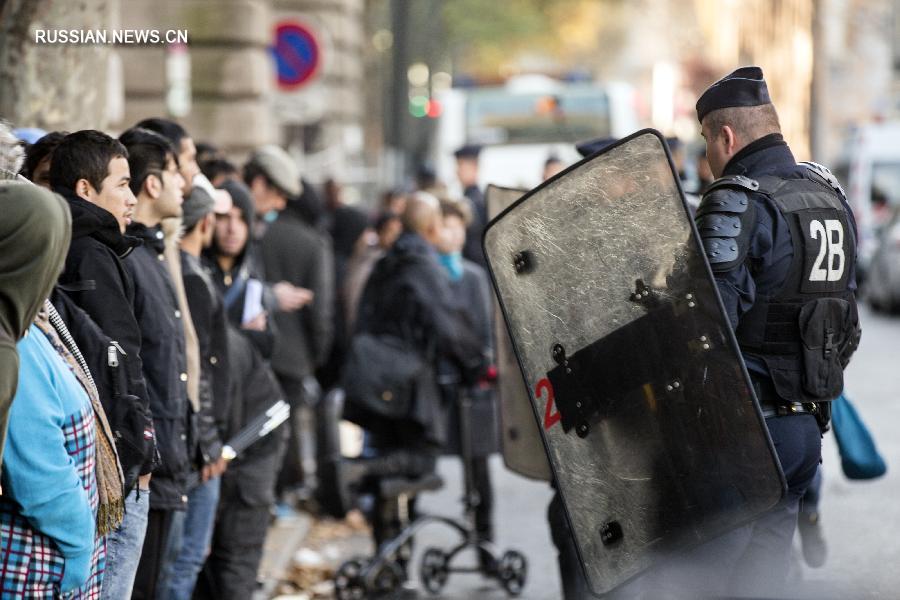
(343, 480)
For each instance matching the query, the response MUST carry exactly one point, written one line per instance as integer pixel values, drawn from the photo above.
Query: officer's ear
(729, 139)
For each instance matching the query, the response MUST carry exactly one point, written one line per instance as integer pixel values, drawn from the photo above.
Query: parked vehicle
(870, 170)
(882, 289)
(523, 122)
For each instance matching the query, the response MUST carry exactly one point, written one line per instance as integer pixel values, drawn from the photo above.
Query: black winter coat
(293, 251)
(208, 315)
(165, 366)
(408, 296)
(253, 474)
(472, 294)
(128, 416)
(472, 250)
(97, 282)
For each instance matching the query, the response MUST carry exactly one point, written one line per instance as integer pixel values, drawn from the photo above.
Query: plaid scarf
(110, 481)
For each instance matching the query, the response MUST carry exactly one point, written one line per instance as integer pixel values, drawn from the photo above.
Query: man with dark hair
(185, 150)
(217, 170)
(90, 170)
(298, 264)
(158, 185)
(38, 157)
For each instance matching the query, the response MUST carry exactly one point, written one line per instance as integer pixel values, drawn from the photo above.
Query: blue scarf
(453, 264)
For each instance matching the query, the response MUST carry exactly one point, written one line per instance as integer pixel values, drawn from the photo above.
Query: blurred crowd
(158, 300)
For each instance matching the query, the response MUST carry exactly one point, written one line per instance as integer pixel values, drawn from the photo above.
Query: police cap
(743, 87)
(468, 151)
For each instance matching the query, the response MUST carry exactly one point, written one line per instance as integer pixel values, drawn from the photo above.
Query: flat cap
(197, 205)
(743, 87)
(279, 167)
(202, 200)
(468, 151)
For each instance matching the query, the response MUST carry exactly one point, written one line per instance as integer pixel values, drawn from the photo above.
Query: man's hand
(257, 323)
(290, 297)
(144, 482)
(214, 469)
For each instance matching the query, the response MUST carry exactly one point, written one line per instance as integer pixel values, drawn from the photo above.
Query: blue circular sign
(296, 54)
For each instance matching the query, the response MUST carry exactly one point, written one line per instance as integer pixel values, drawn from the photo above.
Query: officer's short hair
(748, 122)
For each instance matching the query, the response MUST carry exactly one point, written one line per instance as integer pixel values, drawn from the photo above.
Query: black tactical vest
(806, 331)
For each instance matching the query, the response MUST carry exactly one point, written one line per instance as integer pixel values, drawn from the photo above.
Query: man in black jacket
(297, 261)
(408, 296)
(208, 314)
(90, 169)
(248, 486)
(157, 184)
(467, 172)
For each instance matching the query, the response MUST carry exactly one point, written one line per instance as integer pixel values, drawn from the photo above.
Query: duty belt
(773, 405)
(787, 408)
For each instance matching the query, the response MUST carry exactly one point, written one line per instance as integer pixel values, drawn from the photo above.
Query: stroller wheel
(513, 572)
(434, 570)
(389, 579)
(348, 581)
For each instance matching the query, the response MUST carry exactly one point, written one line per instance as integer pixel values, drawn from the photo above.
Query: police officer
(467, 172)
(781, 242)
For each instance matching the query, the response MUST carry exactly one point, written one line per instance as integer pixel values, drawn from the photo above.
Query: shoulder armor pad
(826, 174)
(725, 221)
(734, 181)
(722, 253)
(724, 200)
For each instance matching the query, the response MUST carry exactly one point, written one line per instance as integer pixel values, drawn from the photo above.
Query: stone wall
(56, 86)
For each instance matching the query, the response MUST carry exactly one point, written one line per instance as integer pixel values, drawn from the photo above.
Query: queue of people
(156, 300)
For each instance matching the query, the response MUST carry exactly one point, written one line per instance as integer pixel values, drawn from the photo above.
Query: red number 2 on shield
(549, 419)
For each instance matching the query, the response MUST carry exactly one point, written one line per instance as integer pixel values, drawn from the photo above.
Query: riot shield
(655, 439)
(523, 450)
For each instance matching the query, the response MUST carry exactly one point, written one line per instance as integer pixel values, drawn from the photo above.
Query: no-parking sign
(297, 55)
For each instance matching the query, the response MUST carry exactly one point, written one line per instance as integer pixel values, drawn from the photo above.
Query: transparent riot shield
(523, 450)
(655, 439)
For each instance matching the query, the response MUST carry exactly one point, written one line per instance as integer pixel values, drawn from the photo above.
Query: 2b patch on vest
(826, 250)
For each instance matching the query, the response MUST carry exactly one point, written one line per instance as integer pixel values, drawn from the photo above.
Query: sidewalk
(302, 554)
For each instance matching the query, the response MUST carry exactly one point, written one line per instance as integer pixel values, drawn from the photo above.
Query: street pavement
(861, 519)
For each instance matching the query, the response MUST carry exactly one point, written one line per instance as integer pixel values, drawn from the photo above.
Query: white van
(870, 170)
(522, 123)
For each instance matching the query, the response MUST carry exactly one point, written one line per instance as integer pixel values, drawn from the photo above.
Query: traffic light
(421, 106)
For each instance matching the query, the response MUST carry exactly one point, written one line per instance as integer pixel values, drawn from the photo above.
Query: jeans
(180, 575)
(123, 547)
